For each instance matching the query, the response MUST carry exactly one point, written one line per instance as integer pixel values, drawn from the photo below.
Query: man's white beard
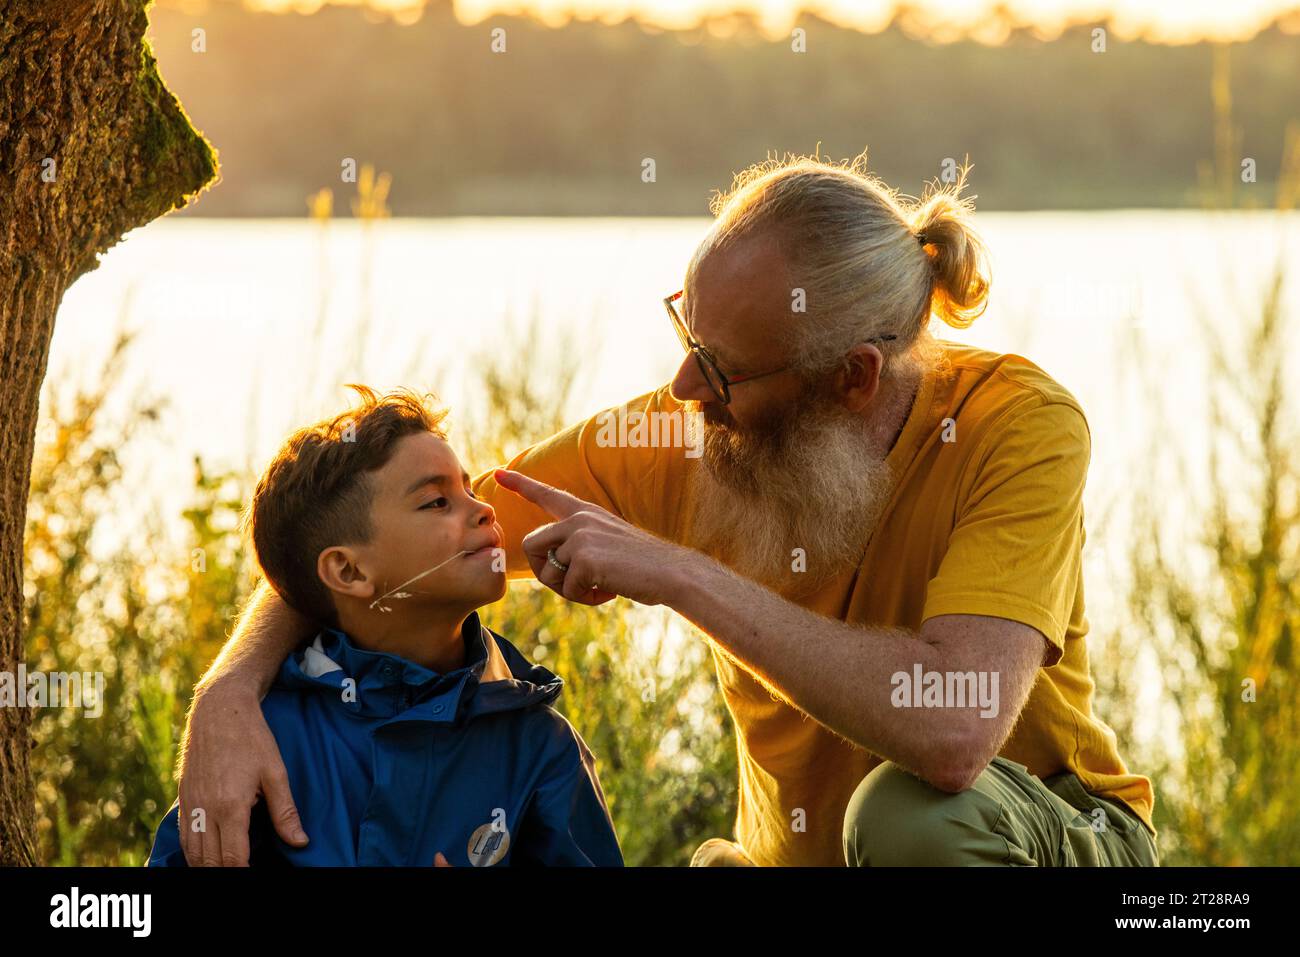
(809, 478)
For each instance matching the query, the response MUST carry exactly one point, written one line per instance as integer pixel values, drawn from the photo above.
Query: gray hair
(869, 262)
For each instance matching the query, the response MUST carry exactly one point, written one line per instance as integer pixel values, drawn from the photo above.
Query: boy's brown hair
(316, 493)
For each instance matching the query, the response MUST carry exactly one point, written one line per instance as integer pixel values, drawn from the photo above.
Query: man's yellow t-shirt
(986, 518)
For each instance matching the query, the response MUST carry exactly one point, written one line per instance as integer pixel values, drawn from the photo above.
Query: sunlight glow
(1181, 22)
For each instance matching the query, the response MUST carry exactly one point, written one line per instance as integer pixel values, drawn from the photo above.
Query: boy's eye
(435, 502)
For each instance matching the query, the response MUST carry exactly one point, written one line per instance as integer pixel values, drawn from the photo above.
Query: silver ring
(550, 557)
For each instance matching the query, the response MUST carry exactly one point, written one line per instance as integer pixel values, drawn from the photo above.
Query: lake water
(250, 327)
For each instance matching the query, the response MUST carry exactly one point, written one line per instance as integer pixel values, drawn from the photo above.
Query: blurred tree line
(1216, 601)
(561, 122)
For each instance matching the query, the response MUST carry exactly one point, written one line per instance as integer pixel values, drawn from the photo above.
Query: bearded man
(881, 541)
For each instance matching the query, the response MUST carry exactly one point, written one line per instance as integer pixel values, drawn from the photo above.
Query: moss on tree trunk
(92, 145)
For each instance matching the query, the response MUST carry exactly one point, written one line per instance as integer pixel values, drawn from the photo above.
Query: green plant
(151, 614)
(1216, 596)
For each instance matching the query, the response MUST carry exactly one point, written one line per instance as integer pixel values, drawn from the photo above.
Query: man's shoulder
(990, 391)
(1001, 413)
(1005, 377)
(656, 402)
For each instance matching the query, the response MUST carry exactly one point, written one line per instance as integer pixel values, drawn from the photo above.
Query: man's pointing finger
(556, 501)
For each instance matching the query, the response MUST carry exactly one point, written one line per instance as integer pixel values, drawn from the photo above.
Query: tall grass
(1215, 599)
(1217, 595)
(147, 617)
(152, 616)
(1219, 603)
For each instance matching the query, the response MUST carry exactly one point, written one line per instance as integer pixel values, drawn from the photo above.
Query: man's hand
(228, 754)
(605, 555)
(228, 758)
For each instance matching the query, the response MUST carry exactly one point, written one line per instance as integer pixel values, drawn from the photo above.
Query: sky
(1165, 20)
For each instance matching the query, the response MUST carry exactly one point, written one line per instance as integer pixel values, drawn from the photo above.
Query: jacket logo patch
(488, 844)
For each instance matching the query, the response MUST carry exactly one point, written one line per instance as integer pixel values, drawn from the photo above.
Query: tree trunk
(92, 144)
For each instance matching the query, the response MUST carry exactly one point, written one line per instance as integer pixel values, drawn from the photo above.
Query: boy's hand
(228, 758)
(605, 555)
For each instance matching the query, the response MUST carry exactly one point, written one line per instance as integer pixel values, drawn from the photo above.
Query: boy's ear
(339, 568)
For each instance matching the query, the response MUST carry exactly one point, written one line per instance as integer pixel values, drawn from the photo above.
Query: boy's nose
(486, 516)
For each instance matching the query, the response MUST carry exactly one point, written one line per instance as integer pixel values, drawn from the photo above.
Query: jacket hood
(495, 677)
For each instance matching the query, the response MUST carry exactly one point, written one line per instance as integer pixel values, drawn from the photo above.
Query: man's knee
(895, 819)
(718, 852)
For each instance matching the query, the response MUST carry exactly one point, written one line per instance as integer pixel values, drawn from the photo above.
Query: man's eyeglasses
(719, 382)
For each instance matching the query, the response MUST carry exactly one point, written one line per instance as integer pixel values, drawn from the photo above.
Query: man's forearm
(837, 673)
(267, 631)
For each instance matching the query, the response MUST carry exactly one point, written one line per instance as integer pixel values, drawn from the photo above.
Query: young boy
(411, 733)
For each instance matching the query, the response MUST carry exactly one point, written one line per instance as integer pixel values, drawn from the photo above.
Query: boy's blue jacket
(390, 763)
